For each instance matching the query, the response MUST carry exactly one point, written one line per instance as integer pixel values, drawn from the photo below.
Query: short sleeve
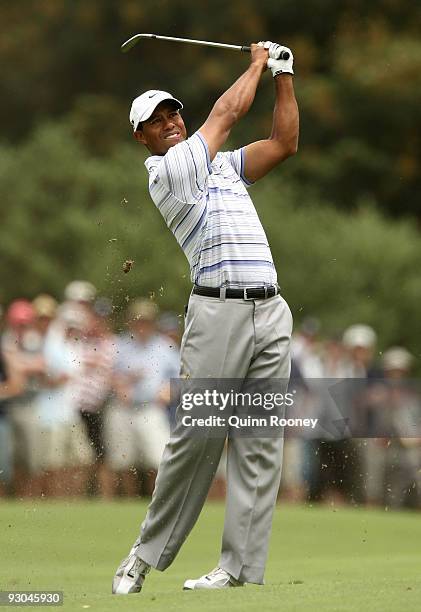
(185, 168)
(236, 160)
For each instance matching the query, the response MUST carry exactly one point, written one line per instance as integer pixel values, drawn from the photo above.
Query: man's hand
(259, 55)
(278, 66)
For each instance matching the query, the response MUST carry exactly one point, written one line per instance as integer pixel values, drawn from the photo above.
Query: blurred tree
(358, 80)
(69, 214)
(77, 216)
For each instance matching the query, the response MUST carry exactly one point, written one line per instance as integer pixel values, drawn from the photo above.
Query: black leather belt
(248, 293)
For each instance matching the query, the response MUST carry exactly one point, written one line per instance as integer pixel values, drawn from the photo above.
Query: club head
(131, 42)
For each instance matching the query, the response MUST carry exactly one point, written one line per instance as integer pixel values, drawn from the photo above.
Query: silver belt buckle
(245, 294)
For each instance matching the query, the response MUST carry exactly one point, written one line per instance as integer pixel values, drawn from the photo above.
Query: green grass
(321, 560)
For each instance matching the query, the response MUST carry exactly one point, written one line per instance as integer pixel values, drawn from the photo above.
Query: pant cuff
(159, 563)
(244, 573)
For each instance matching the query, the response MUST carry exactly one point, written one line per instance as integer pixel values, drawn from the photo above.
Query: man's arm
(15, 381)
(234, 103)
(263, 155)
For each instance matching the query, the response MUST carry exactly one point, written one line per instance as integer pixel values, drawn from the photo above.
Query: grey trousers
(223, 339)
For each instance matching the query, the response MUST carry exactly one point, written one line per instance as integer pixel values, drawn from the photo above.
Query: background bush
(71, 214)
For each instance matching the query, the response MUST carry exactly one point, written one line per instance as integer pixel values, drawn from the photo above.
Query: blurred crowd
(82, 408)
(87, 410)
(366, 448)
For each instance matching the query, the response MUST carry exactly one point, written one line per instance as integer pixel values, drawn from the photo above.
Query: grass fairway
(320, 559)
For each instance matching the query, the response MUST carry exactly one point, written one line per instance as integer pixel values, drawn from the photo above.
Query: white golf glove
(278, 66)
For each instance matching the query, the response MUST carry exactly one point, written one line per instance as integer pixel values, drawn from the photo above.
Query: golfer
(237, 324)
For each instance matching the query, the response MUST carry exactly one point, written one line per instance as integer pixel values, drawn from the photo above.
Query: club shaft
(204, 43)
(126, 46)
(131, 42)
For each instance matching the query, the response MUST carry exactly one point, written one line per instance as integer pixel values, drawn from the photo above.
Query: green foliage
(346, 268)
(68, 214)
(359, 122)
(358, 80)
(74, 215)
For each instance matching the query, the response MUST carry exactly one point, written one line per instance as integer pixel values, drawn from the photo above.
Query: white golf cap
(80, 291)
(397, 358)
(359, 335)
(143, 106)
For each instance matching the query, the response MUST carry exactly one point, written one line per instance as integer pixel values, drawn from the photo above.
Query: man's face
(143, 329)
(164, 129)
(362, 354)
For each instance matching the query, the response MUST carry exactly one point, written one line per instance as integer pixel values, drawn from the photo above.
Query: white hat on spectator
(143, 309)
(359, 336)
(397, 358)
(80, 291)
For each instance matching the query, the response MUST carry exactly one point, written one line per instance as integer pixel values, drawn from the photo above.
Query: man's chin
(167, 145)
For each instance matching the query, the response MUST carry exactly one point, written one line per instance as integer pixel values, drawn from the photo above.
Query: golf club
(131, 42)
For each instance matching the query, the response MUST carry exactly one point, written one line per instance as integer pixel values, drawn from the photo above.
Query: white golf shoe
(216, 579)
(131, 573)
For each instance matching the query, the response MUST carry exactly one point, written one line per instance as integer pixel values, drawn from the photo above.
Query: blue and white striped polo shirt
(206, 206)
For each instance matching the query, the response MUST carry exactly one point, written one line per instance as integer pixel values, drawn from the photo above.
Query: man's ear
(138, 135)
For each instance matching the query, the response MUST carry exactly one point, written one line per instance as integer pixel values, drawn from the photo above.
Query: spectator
(45, 307)
(338, 455)
(169, 326)
(23, 356)
(360, 342)
(10, 386)
(396, 459)
(334, 358)
(79, 294)
(306, 349)
(93, 389)
(64, 446)
(137, 425)
(82, 292)
(300, 462)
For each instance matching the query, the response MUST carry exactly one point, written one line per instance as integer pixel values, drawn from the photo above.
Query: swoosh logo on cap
(152, 95)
